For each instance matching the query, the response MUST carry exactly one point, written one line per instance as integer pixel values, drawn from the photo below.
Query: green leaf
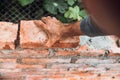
(25, 2)
(62, 7)
(71, 2)
(55, 6)
(83, 13)
(73, 13)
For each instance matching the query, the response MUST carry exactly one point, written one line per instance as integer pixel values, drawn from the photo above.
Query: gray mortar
(101, 42)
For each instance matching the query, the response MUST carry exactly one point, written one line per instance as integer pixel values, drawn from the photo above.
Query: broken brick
(31, 36)
(8, 35)
(68, 42)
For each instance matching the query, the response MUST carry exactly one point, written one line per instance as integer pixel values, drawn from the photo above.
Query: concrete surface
(101, 42)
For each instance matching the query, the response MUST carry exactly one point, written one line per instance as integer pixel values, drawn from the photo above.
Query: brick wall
(32, 61)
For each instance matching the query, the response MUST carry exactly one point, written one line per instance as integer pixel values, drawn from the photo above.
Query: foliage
(55, 6)
(65, 10)
(73, 13)
(70, 2)
(25, 2)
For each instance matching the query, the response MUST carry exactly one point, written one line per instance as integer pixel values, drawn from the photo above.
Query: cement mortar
(101, 42)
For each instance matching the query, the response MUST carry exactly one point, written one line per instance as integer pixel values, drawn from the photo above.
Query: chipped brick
(8, 35)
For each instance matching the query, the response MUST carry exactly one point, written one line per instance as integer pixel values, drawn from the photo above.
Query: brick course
(78, 63)
(31, 64)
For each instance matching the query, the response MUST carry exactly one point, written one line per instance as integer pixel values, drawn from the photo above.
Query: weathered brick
(32, 36)
(73, 75)
(11, 76)
(26, 53)
(68, 42)
(8, 65)
(67, 66)
(80, 53)
(66, 53)
(32, 53)
(9, 70)
(35, 64)
(23, 66)
(45, 71)
(45, 61)
(114, 55)
(85, 48)
(8, 35)
(7, 60)
(55, 77)
(96, 61)
(35, 77)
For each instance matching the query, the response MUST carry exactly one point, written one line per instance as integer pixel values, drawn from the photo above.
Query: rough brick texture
(33, 37)
(8, 35)
(68, 42)
(36, 64)
(80, 63)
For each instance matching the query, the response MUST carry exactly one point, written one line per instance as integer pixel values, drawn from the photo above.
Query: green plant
(71, 2)
(64, 10)
(55, 6)
(73, 13)
(25, 2)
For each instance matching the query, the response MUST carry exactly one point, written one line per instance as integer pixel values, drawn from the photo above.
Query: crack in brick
(17, 41)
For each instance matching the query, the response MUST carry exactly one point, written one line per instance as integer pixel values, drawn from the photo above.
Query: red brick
(33, 37)
(83, 48)
(77, 53)
(68, 42)
(30, 53)
(23, 66)
(8, 65)
(11, 76)
(55, 77)
(41, 71)
(35, 77)
(66, 53)
(45, 61)
(26, 53)
(10, 70)
(114, 54)
(8, 35)
(73, 75)
(7, 60)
